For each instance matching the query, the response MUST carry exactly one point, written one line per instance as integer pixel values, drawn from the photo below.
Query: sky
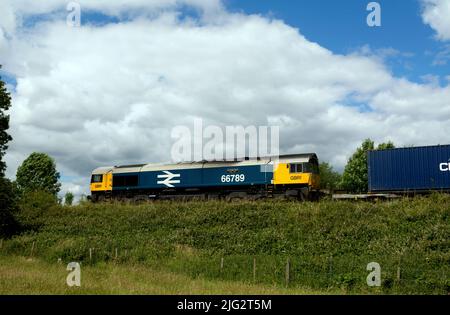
(110, 91)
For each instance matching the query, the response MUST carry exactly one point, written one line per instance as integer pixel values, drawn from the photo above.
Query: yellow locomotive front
(300, 171)
(101, 183)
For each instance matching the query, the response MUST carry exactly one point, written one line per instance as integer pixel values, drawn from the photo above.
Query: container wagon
(409, 170)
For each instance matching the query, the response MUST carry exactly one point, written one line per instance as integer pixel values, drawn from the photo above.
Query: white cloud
(95, 96)
(442, 57)
(436, 13)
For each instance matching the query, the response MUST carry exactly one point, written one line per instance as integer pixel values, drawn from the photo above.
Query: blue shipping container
(409, 169)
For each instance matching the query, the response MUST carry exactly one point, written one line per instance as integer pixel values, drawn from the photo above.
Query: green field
(234, 248)
(20, 275)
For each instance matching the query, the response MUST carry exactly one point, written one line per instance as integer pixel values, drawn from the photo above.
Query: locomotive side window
(293, 168)
(296, 168)
(303, 168)
(98, 178)
(127, 180)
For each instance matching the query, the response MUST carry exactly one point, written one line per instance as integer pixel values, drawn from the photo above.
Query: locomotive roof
(102, 170)
(293, 158)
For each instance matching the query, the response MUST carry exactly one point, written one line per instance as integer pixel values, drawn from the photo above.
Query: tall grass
(328, 244)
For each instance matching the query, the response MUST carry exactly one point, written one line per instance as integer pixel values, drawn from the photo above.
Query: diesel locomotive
(287, 176)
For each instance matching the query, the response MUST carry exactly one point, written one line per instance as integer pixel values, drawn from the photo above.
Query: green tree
(38, 173)
(386, 145)
(68, 198)
(329, 179)
(355, 177)
(8, 207)
(8, 224)
(5, 104)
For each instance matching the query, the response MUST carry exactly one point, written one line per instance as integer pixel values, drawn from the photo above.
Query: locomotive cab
(299, 170)
(101, 183)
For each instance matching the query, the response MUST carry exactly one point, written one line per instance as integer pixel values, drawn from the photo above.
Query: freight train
(288, 176)
(391, 172)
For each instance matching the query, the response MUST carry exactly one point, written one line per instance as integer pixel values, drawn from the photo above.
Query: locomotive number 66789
(235, 178)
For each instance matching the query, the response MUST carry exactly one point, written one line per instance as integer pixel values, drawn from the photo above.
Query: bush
(329, 179)
(68, 199)
(8, 222)
(32, 207)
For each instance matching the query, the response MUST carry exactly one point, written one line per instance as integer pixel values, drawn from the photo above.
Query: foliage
(5, 104)
(68, 198)
(355, 176)
(33, 206)
(191, 238)
(8, 223)
(386, 145)
(38, 173)
(329, 179)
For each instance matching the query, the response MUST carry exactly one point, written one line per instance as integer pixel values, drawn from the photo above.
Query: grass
(21, 275)
(328, 244)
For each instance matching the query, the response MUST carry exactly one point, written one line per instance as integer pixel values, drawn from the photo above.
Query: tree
(355, 177)
(5, 104)
(386, 145)
(8, 207)
(68, 198)
(38, 173)
(329, 179)
(8, 224)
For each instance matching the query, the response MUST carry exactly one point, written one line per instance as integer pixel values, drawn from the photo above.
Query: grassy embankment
(172, 247)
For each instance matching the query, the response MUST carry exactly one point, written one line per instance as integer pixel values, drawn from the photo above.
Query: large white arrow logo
(168, 179)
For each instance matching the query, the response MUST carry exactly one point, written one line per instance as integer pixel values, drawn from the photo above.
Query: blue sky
(341, 27)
